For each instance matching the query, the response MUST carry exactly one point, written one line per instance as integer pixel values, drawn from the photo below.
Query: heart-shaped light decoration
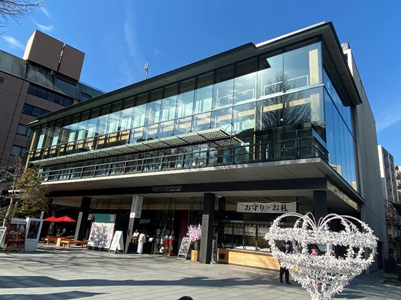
(325, 275)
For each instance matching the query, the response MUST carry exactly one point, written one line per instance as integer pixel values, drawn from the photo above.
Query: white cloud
(45, 28)
(13, 43)
(135, 58)
(388, 118)
(46, 12)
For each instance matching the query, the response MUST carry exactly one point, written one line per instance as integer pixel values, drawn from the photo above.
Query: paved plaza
(62, 273)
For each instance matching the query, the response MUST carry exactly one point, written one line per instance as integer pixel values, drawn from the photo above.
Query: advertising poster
(101, 235)
(34, 226)
(15, 240)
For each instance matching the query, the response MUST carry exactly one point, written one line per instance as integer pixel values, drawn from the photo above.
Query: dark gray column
(84, 213)
(207, 228)
(220, 228)
(319, 204)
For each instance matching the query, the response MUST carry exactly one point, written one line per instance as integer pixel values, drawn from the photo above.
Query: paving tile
(52, 273)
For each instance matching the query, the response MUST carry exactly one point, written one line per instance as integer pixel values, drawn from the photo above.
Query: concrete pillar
(205, 254)
(220, 216)
(319, 204)
(83, 224)
(136, 211)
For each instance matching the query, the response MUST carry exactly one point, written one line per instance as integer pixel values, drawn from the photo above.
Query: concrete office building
(44, 80)
(388, 175)
(398, 178)
(391, 201)
(230, 142)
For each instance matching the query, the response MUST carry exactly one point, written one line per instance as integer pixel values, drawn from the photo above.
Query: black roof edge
(322, 28)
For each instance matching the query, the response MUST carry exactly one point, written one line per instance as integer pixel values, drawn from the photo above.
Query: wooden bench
(49, 239)
(67, 243)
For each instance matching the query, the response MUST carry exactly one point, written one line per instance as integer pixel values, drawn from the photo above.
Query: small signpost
(2, 236)
(117, 244)
(184, 248)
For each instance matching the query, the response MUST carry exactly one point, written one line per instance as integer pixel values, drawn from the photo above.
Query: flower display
(194, 232)
(326, 275)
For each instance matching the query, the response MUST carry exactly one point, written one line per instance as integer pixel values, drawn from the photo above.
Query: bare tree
(284, 113)
(13, 9)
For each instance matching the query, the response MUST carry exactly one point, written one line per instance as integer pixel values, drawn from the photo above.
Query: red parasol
(51, 219)
(65, 219)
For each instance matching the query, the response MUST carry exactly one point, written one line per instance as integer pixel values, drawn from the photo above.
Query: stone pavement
(62, 273)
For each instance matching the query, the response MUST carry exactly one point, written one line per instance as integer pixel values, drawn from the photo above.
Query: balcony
(291, 145)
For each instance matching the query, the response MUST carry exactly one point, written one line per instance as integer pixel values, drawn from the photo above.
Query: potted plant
(195, 234)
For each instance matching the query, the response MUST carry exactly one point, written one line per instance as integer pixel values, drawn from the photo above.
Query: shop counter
(247, 258)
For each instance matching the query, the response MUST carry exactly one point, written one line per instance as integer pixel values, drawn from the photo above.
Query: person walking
(287, 248)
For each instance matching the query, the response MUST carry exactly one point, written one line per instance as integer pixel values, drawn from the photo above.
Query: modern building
(44, 80)
(391, 200)
(230, 142)
(398, 178)
(388, 175)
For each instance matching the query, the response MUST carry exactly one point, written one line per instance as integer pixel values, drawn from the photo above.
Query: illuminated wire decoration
(324, 276)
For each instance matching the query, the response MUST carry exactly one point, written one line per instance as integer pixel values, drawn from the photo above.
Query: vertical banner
(136, 207)
(2, 236)
(136, 211)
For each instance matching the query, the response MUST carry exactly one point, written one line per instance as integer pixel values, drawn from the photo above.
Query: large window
(339, 137)
(223, 91)
(185, 99)
(259, 93)
(270, 76)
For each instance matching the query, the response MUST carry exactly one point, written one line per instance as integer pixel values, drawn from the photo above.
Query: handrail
(250, 153)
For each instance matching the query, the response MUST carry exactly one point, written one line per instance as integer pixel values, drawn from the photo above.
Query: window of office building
(22, 130)
(33, 110)
(18, 151)
(49, 95)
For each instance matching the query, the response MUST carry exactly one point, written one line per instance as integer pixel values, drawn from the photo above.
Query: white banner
(266, 208)
(136, 207)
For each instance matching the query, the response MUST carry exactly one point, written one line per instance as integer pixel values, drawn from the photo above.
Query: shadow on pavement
(59, 296)
(11, 282)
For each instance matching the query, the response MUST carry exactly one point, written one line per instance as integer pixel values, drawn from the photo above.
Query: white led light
(326, 275)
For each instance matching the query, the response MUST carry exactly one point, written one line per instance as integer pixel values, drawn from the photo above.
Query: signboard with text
(266, 208)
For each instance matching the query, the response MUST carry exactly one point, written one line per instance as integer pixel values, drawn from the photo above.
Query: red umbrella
(65, 219)
(51, 219)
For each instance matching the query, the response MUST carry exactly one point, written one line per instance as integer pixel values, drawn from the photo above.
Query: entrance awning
(218, 136)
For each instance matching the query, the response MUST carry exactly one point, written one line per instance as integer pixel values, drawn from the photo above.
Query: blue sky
(119, 37)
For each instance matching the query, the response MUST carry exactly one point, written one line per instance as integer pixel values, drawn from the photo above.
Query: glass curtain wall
(256, 94)
(340, 139)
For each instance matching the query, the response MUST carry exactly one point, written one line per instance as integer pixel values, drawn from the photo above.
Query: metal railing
(201, 157)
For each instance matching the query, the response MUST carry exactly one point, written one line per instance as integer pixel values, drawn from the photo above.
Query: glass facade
(279, 106)
(207, 101)
(339, 134)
